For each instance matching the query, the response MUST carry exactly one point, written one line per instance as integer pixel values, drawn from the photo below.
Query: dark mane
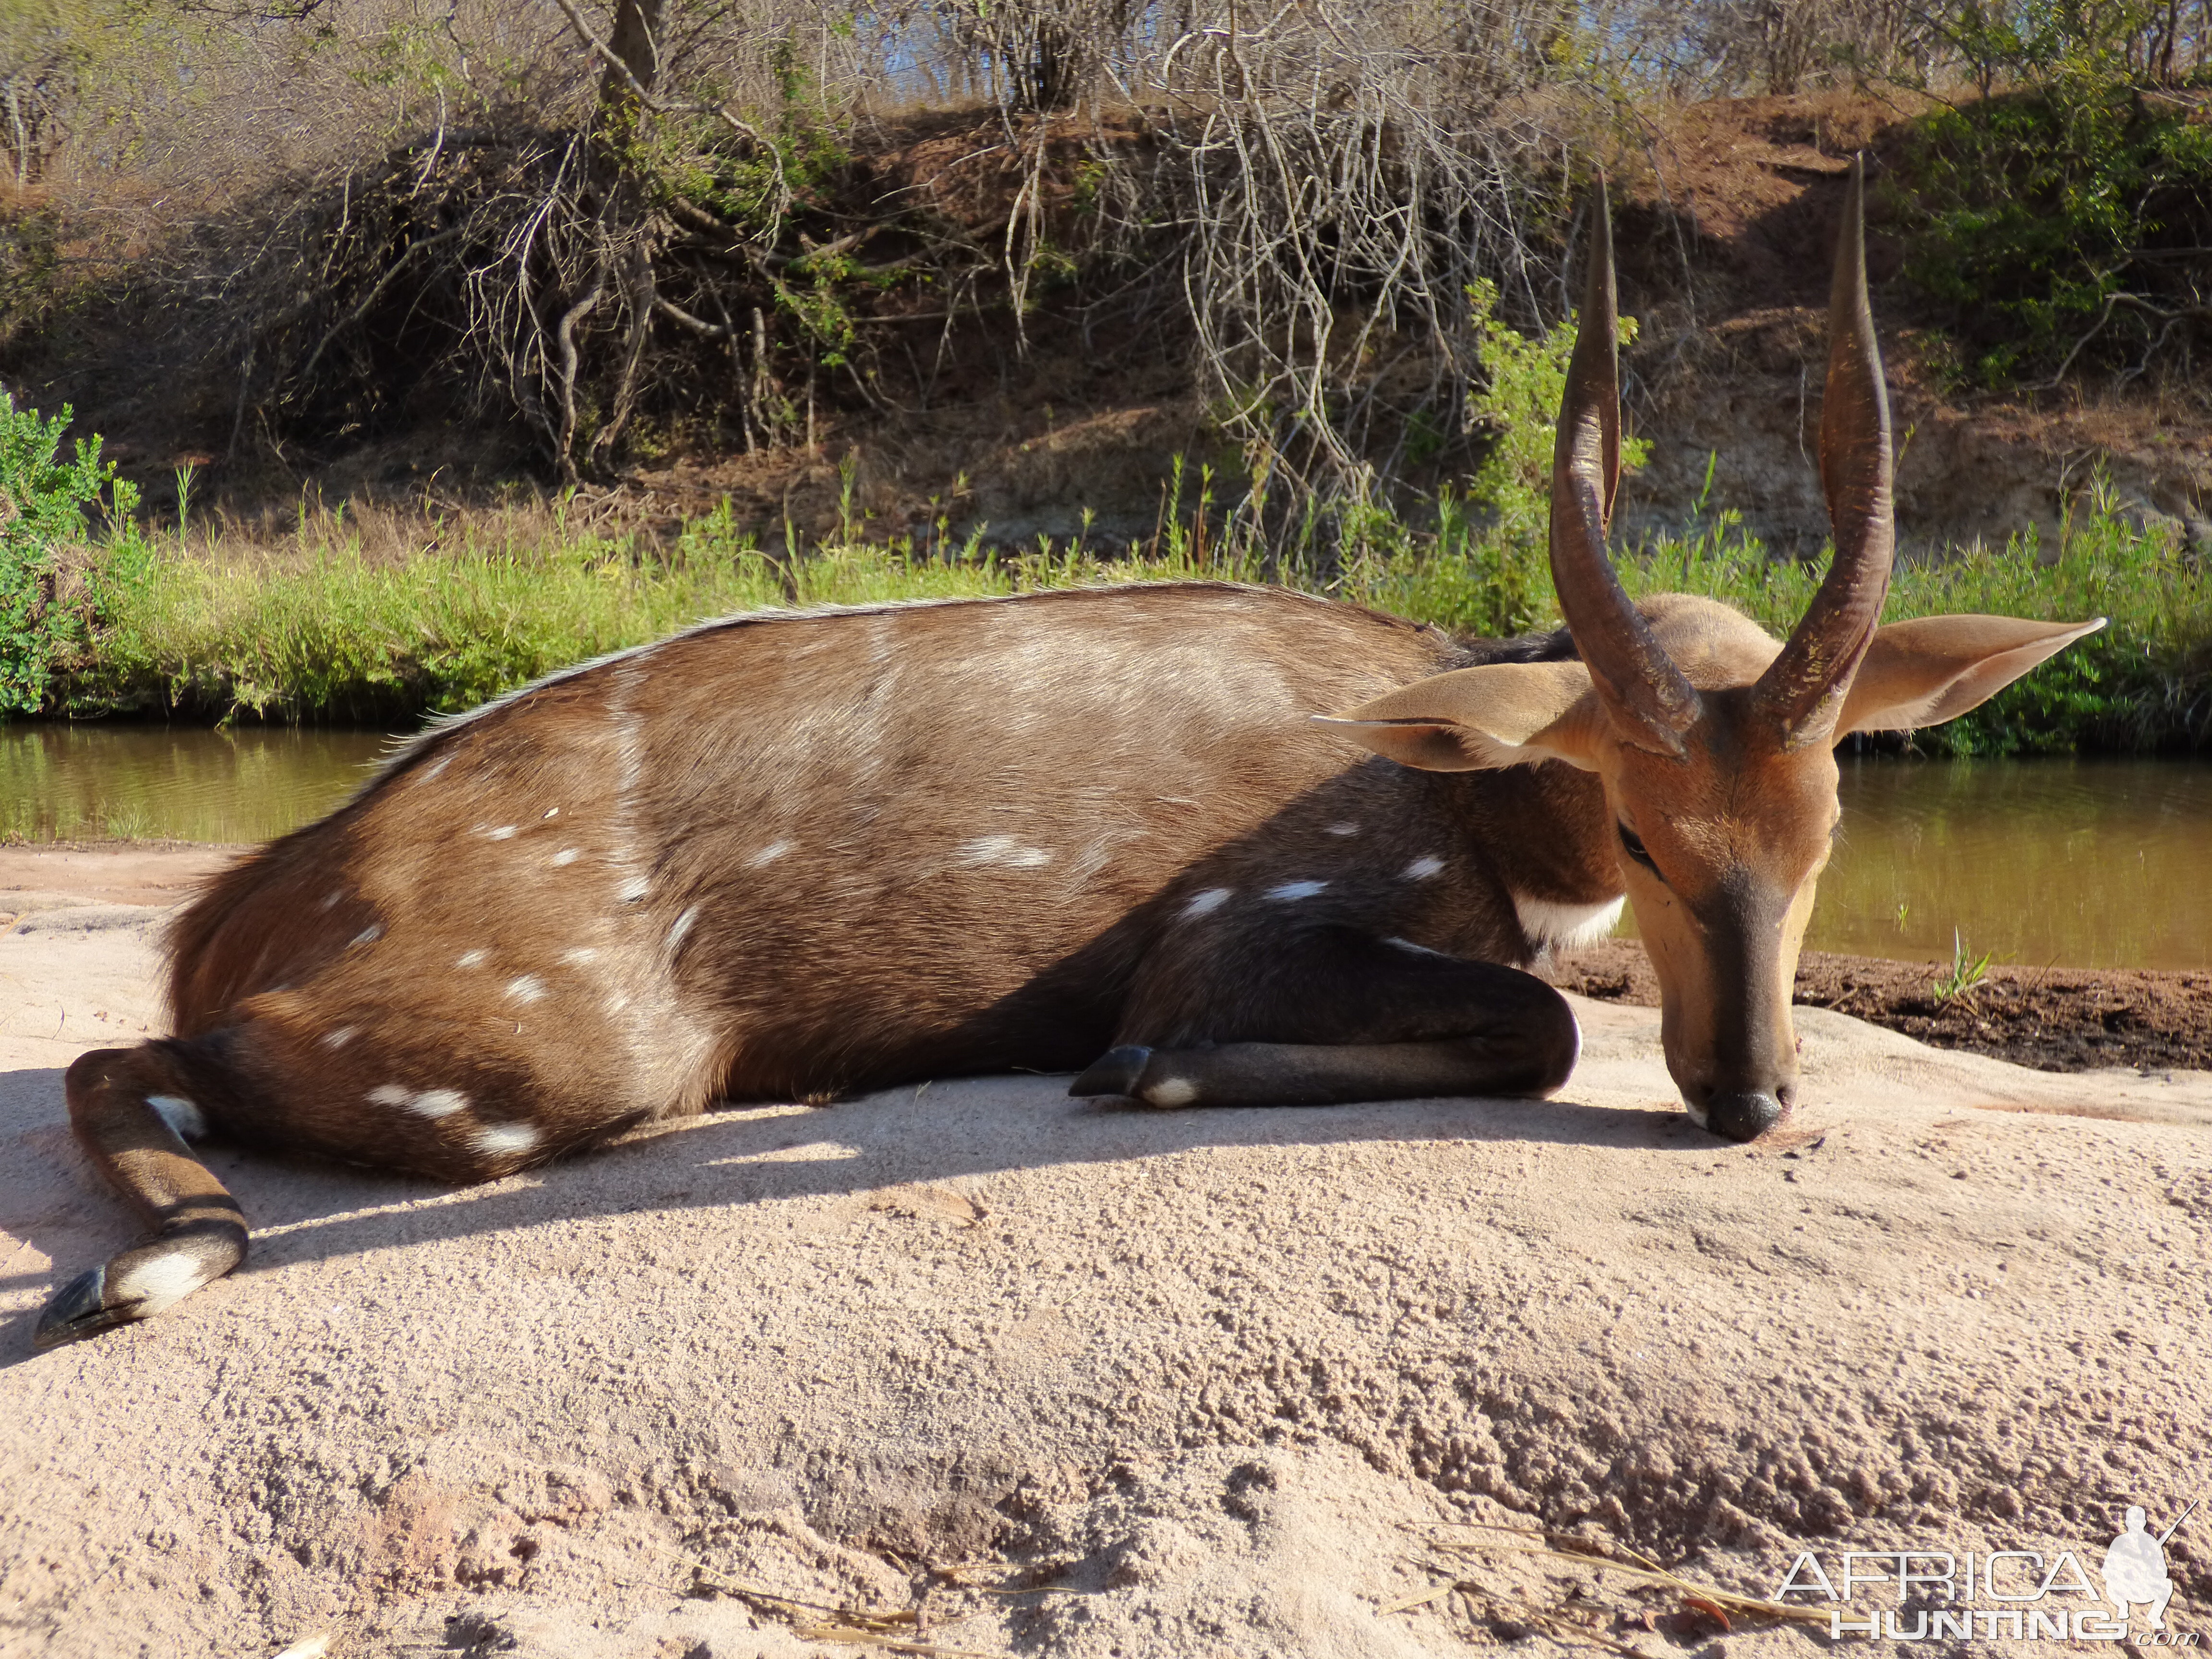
(1555, 646)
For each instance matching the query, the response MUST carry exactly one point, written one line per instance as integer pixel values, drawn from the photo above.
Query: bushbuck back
(798, 855)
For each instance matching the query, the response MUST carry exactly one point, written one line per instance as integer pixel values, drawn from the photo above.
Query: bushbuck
(794, 854)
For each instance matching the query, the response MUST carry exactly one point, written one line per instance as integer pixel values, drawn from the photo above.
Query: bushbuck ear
(1476, 720)
(1934, 668)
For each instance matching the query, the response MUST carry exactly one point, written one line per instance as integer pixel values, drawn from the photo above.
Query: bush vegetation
(51, 582)
(595, 222)
(2066, 207)
(324, 633)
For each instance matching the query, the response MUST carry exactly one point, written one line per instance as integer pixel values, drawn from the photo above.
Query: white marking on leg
(1343, 829)
(161, 1283)
(339, 1038)
(1290, 892)
(525, 988)
(367, 935)
(1171, 1091)
(580, 956)
(505, 832)
(390, 1094)
(767, 854)
(567, 855)
(469, 959)
(633, 890)
(1422, 868)
(1408, 944)
(683, 927)
(1547, 922)
(501, 1139)
(180, 1115)
(1206, 903)
(438, 1103)
(1002, 850)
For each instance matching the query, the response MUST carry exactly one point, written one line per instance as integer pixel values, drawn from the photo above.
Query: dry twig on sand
(1725, 1606)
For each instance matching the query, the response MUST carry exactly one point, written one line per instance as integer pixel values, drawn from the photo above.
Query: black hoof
(77, 1310)
(1113, 1072)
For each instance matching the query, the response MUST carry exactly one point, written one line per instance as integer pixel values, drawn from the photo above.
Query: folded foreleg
(1333, 1015)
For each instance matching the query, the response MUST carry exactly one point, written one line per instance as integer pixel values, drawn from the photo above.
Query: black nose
(1743, 1114)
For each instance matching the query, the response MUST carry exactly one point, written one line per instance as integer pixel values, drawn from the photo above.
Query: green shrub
(51, 582)
(1486, 568)
(2072, 207)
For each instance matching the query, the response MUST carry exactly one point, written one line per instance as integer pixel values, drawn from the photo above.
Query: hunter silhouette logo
(2135, 1567)
(2016, 1595)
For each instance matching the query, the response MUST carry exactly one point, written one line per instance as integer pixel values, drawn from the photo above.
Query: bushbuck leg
(1336, 1015)
(131, 1109)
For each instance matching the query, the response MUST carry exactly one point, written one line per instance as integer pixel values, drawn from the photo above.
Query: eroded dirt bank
(1061, 1380)
(2057, 1019)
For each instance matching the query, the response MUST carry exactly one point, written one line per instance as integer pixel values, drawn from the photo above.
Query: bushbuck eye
(1636, 850)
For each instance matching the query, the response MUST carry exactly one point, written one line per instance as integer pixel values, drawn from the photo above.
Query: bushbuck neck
(791, 856)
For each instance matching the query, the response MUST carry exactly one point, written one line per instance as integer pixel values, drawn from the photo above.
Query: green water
(2083, 863)
(60, 782)
(2090, 863)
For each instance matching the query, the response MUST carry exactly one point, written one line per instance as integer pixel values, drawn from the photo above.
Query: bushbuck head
(1715, 743)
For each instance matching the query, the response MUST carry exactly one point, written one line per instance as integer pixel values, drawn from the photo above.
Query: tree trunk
(636, 42)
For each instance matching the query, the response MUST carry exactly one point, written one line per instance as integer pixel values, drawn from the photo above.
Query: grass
(343, 619)
(1965, 974)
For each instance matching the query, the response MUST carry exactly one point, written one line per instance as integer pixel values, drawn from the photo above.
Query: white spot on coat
(581, 955)
(1002, 850)
(1206, 903)
(1549, 923)
(438, 1103)
(334, 900)
(1343, 829)
(469, 959)
(180, 1115)
(1422, 868)
(551, 812)
(683, 927)
(505, 832)
(390, 1094)
(1171, 1092)
(367, 935)
(339, 1038)
(633, 890)
(503, 1139)
(768, 854)
(160, 1283)
(528, 987)
(567, 855)
(1291, 890)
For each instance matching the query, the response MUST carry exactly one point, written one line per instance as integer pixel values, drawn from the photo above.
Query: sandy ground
(1022, 1373)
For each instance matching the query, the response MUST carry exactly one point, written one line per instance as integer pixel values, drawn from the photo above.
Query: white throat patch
(1547, 923)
